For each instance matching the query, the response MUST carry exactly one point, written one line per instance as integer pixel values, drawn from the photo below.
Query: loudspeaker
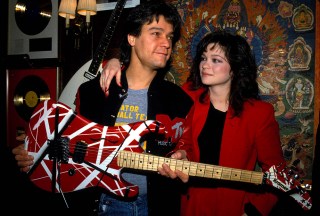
(26, 88)
(33, 28)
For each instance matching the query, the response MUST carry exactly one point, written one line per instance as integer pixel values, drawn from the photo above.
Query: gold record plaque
(33, 16)
(30, 91)
(33, 28)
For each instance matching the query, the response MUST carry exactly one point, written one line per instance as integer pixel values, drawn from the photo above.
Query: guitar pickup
(59, 149)
(79, 152)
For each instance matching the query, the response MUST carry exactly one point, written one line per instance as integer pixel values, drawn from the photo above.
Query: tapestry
(282, 37)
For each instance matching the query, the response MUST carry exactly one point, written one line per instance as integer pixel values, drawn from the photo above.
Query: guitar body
(68, 95)
(85, 154)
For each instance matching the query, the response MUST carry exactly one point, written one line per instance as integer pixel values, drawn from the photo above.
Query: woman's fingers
(111, 69)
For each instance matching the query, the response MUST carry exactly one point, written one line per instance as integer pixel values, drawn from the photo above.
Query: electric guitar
(72, 153)
(277, 176)
(90, 69)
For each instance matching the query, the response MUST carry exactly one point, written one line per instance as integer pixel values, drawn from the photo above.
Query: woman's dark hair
(239, 55)
(146, 13)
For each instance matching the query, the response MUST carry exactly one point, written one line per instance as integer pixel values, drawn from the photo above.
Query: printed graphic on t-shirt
(134, 107)
(130, 113)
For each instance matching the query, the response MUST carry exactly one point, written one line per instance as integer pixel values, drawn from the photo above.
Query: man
(151, 30)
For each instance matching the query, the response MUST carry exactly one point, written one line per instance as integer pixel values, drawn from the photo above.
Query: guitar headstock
(282, 178)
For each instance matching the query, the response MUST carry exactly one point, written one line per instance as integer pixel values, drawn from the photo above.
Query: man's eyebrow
(155, 28)
(158, 28)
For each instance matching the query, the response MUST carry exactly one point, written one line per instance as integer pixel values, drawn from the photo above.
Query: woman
(229, 126)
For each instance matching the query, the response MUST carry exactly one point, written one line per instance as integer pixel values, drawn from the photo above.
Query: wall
(3, 49)
(317, 77)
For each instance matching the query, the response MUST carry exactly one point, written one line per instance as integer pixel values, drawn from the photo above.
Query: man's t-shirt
(134, 109)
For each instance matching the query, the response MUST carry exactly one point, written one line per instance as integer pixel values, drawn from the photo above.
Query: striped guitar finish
(277, 176)
(85, 153)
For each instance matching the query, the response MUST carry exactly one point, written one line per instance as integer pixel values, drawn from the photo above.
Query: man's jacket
(167, 103)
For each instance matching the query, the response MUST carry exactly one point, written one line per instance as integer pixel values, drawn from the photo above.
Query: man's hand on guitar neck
(166, 171)
(24, 160)
(111, 69)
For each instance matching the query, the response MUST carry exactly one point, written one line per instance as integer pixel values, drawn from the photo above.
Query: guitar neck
(149, 162)
(105, 40)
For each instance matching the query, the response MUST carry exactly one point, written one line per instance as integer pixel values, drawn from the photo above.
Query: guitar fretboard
(151, 163)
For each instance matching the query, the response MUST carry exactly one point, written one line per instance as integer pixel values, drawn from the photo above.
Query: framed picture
(111, 4)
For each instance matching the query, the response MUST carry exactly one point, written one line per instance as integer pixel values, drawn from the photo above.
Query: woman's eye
(216, 60)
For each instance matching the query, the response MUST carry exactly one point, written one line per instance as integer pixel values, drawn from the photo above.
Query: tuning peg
(296, 176)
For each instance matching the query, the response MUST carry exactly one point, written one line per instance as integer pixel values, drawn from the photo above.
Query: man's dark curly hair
(239, 55)
(146, 13)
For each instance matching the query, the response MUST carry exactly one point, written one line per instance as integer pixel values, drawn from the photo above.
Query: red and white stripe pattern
(102, 144)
